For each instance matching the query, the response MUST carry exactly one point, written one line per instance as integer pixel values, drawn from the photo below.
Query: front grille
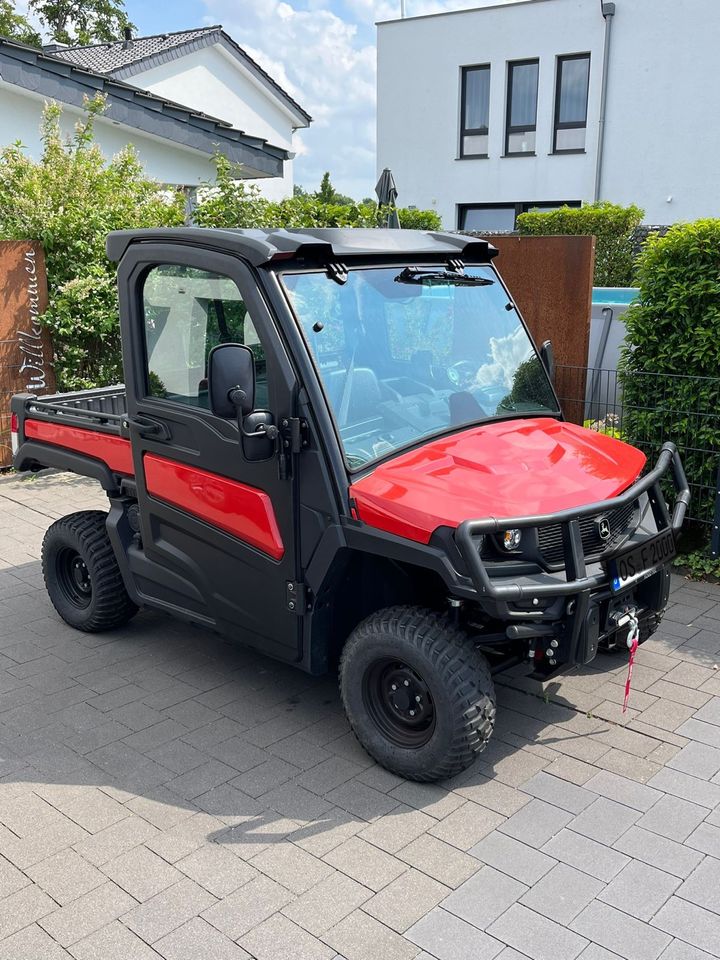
(620, 519)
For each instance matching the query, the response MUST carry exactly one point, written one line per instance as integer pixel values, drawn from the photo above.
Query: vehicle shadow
(207, 741)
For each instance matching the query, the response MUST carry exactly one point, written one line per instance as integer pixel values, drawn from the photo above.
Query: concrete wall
(21, 114)
(661, 136)
(212, 81)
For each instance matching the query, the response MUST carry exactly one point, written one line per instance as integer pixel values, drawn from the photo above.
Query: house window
(571, 101)
(522, 92)
(474, 111)
(502, 217)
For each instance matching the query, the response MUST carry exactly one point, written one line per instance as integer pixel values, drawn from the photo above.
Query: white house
(206, 70)
(523, 104)
(229, 105)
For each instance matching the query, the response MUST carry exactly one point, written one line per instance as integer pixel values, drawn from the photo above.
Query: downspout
(608, 11)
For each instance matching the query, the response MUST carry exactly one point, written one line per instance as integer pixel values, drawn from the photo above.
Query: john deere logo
(603, 528)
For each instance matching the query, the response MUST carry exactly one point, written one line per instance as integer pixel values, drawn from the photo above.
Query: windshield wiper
(416, 275)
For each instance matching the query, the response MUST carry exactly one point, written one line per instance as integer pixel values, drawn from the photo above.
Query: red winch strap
(632, 641)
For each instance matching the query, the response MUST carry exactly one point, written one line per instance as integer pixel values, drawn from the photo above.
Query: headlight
(510, 539)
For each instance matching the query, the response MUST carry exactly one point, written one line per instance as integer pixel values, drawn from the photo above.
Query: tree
(82, 21)
(326, 193)
(16, 27)
(69, 200)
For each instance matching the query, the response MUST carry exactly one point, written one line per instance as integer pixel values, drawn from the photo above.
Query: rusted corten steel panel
(25, 348)
(551, 281)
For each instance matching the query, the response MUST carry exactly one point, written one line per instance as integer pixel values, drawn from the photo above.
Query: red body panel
(511, 469)
(112, 450)
(245, 512)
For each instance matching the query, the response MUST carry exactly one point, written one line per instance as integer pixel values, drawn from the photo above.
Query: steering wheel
(461, 374)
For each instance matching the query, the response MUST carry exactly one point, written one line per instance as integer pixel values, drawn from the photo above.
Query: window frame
(472, 131)
(525, 128)
(520, 207)
(568, 125)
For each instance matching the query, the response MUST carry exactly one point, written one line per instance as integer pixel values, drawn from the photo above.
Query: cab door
(217, 530)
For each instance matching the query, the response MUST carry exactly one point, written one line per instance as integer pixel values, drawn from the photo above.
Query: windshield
(403, 355)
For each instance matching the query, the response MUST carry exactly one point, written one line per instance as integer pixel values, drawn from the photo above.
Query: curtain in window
(523, 94)
(477, 98)
(573, 90)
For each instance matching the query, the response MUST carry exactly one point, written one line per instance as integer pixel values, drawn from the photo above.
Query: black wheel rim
(399, 702)
(73, 578)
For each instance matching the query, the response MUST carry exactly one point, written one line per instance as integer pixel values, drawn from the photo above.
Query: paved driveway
(164, 794)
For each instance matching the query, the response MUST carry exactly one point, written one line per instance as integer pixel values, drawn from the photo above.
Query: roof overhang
(29, 69)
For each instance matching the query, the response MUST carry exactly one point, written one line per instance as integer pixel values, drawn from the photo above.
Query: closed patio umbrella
(386, 192)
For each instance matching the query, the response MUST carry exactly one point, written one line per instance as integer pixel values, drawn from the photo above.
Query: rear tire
(81, 574)
(418, 694)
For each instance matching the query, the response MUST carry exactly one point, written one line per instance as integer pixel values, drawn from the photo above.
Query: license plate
(640, 562)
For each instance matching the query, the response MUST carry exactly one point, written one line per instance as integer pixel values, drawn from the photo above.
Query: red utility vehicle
(343, 448)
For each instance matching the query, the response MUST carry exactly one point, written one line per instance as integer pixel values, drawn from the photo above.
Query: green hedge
(612, 226)
(670, 368)
(229, 202)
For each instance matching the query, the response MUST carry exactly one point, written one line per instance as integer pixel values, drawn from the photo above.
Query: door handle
(146, 428)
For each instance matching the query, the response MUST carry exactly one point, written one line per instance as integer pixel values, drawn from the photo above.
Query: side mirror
(231, 380)
(547, 355)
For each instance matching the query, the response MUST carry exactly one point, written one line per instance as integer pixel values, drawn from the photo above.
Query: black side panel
(33, 455)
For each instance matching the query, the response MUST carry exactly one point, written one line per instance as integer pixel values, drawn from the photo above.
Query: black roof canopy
(320, 245)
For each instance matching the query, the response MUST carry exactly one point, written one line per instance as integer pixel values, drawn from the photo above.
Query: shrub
(70, 200)
(612, 226)
(230, 202)
(670, 366)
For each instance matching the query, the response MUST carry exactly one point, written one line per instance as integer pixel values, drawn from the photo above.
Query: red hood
(510, 469)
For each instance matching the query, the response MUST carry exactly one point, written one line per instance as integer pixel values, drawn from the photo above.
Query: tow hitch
(629, 618)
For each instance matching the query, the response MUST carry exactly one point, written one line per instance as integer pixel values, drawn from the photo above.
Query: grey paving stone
(247, 907)
(698, 760)
(559, 792)
(690, 923)
(536, 936)
(328, 902)
(467, 825)
(113, 942)
(31, 943)
(703, 885)
(432, 799)
(361, 800)
(215, 868)
(640, 890)
(622, 790)
(329, 775)
(492, 794)
(620, 933)
(362, 937)
(24, 907)
(659, 852)
(562, 893)
(399, 828)
(673, 818)
(65, 876)
(605, 821)
(365, 863)
(678, 950)
(687, 788)
(141, 873)
(447, 937)
(439, 860)
(710, 713)
(294, 868)
(484, 897)
(198, 940)
(87, 914)
(707, 733)
(167, 910)
(278, 938)
(705, 838)
(513, 857)
(406, 900)
(585, 854)
(536, 823)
